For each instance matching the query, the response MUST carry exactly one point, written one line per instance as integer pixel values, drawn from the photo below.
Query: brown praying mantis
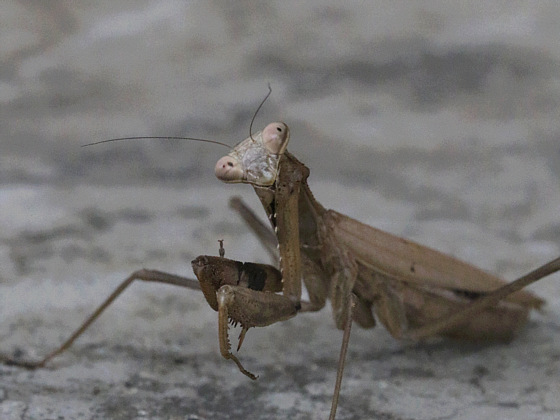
(367, 274)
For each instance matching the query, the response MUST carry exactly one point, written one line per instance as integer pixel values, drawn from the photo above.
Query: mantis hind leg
(450, 321)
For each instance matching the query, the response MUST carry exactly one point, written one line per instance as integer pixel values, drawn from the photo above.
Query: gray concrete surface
(437, 121)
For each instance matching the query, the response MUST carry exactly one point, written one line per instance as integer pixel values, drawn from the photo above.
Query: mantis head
(255, 160)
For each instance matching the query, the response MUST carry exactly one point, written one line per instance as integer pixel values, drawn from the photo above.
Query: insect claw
(241, 337)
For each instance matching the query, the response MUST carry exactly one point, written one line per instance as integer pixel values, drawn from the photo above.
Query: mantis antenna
(257, 111)
(186, 138)
(158, 138)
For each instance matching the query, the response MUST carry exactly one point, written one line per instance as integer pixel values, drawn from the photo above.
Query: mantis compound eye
(275, 137)
(228, 169)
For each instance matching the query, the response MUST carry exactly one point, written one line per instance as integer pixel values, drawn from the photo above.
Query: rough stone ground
(436, 121)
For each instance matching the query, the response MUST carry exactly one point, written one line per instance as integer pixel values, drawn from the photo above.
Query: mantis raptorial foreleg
(250, 308)
(317, 295)
(242, 293)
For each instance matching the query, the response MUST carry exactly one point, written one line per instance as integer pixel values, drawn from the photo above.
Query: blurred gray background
(437, 121)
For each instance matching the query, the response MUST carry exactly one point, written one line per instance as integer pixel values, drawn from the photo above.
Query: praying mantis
(368, 275)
